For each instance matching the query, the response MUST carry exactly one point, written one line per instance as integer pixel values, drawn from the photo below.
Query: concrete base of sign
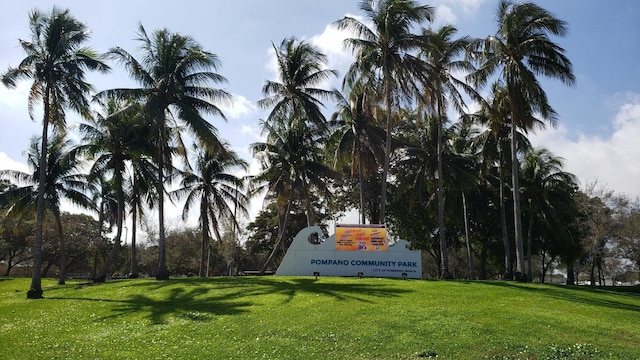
(306, 256)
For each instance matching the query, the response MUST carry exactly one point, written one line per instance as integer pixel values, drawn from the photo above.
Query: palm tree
(444, 55)
(62, 180)
(357, 138)
(175, 76)
(141, 194)
(292, 171)
(56, 63)
(520, 50)
(216, 190)
(301, 68)
(112, 139)
(494, 116)
(384, 53)
(548, 191)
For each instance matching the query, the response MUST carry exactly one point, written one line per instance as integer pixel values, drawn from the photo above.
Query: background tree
(384, 53)
(63, 180)
(56, 62)
(520, 50)
(216, 191)
(175, 75)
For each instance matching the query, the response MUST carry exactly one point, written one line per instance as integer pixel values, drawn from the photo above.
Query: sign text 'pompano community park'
(363, 253)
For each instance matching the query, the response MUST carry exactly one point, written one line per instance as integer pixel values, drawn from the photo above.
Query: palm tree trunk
(517, 220)
(361, 182)
(162, 273)
(205, 238)
(508, 275)
(63, 251)
(529, 241)
(387, 146)
(472, 275)
(133, 273)
(280, 237)
(441, 230)
(113, 255)
(35, 290)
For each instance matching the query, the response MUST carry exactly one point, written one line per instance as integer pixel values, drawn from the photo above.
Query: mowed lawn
(327, 318)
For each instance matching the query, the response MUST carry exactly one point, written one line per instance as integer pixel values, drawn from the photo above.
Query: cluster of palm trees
(390, 135)
(407, 74)
(134, 139)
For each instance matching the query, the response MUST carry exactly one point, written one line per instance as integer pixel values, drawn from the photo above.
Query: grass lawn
(327, 318)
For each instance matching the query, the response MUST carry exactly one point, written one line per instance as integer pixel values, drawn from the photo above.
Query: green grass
(327, 318)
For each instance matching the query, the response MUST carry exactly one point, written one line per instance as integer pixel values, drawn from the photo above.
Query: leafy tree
(357, 139)
(384, 53)
(520, 50)
(549, 191)
(215, 190)
(175, 75)
(62, 180)
(444, 56)
(301, 68)
(292, 170)
(56, 62)
(112, 139)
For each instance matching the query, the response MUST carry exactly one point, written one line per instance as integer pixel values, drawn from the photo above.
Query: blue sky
(599, 118)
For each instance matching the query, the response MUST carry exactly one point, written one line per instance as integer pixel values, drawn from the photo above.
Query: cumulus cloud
(7, 163)
(240, 107)
(611, 160)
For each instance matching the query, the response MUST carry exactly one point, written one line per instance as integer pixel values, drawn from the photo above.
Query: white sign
(306, 256)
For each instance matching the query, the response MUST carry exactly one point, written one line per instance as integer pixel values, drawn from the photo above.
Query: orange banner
(372, 237)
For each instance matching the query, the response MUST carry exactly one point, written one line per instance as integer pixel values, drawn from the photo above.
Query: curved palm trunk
(517, 220)
(35, 290)
(280, 237)
(529, 241)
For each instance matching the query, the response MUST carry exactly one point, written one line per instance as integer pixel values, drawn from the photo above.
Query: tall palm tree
(214, 190)
(62, 180)
(175, 75)
(494, 115)
(301, 69)
(384, 52)
(112, 139)
(357, 138)
(520, 50)
(293, 170)
(444, 56)
(56, 62)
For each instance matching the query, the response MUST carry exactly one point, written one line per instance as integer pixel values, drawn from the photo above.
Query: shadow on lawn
(577, 294)
(201, 299)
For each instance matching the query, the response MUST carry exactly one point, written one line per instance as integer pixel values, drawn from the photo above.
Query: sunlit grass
(304, 318)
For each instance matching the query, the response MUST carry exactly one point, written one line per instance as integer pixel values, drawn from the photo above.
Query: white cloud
(7, 163)
(612, 161)
(469, 7)
(240, 107)
(445, 15)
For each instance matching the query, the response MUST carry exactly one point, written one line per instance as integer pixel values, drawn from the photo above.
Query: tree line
(402, 147)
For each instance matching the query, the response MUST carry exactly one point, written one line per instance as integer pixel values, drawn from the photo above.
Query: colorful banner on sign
(371, 237)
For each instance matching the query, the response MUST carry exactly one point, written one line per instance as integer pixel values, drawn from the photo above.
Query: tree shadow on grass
(577, 294)
(191, 304)
(201, 299)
